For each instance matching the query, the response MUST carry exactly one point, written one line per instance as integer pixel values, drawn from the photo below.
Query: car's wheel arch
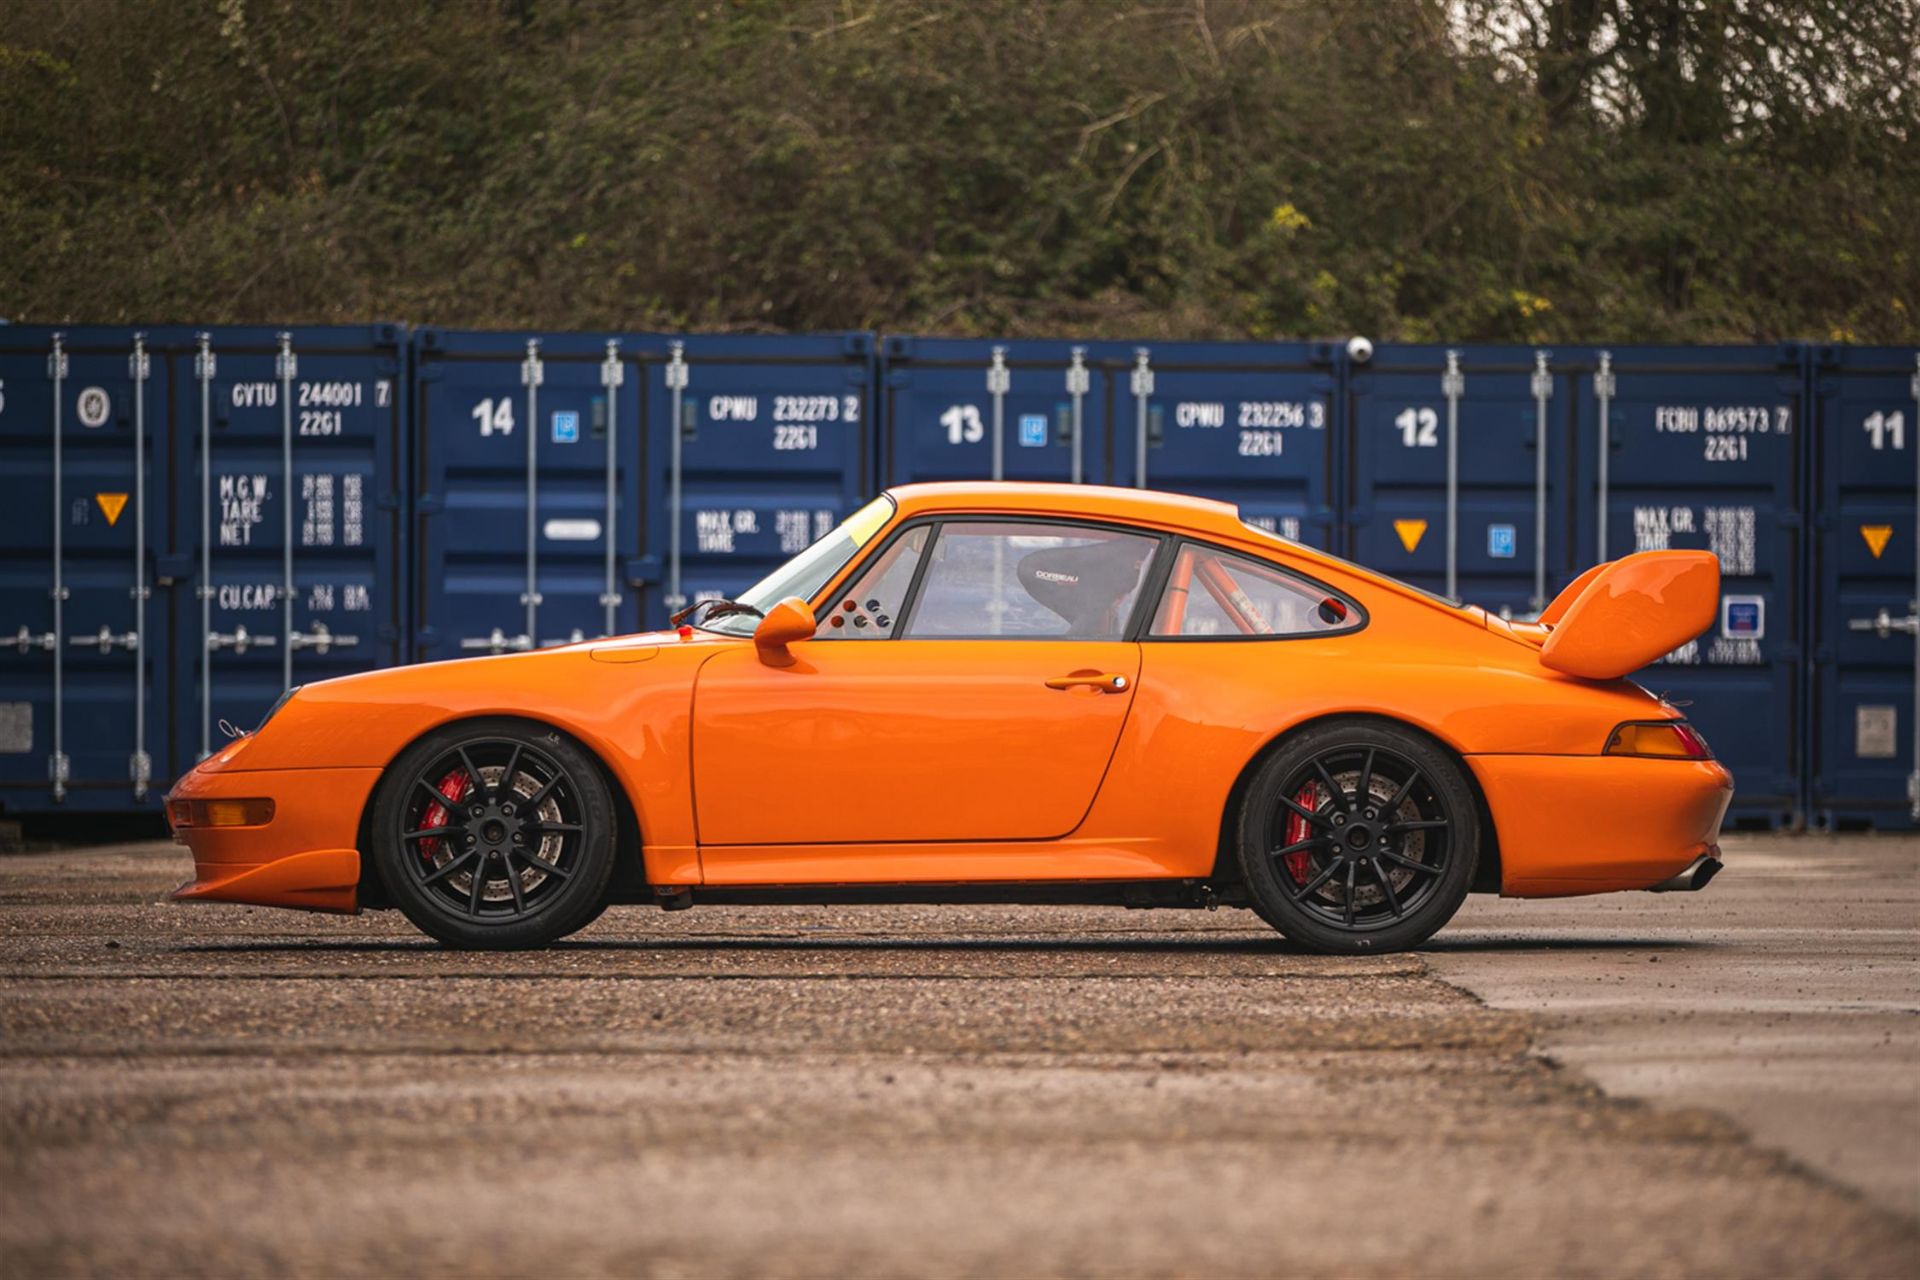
(1226, 868)
(629, 882)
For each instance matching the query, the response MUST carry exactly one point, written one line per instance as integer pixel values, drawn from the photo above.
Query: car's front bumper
(1594, 824)
(305, 856)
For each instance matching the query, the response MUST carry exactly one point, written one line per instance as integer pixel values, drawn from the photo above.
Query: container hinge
(239, 640)
(321, 640)
(496, 641)
(26, 641)
(105, 640)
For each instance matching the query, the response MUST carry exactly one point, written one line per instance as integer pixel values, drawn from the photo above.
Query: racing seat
(1085, 585)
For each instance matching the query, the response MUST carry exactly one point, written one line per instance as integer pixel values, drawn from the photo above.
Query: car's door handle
(1105, 682)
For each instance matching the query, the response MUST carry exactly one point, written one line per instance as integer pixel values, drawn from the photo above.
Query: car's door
(969, 687)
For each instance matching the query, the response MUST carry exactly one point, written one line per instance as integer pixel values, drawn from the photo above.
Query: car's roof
(1202, 515)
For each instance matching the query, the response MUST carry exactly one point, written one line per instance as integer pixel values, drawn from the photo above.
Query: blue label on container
(1033, 430)
(566, 426)
(1743, 617)
(1501, 541)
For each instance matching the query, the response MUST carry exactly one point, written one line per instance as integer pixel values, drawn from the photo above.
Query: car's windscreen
(809, 571)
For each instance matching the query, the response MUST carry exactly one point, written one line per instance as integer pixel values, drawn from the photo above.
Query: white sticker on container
(93, 406)
(572, 530)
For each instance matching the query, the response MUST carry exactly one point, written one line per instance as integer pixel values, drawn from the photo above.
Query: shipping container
(569, 486)
(1865, 717)
(1249, 423)
(287, 543)
(526, 485)
(1478, 472)
(1706, 449)
(1461, 464)
(83, 696)
(756, 446)
(144, 604)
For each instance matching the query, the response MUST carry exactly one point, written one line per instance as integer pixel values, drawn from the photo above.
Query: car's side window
(1029, 579)
(870, 609)
(1216, 593)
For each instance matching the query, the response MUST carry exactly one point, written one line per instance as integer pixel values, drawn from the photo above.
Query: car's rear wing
(1619, 616)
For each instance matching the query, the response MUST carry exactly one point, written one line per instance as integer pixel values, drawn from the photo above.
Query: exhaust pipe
(1695, 877)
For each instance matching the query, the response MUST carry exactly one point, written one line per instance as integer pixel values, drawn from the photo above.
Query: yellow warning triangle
(1876, 536)
(1410, 531)
(112, 504)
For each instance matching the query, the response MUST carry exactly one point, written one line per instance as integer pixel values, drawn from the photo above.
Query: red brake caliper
(1298, 829)
(454, 787)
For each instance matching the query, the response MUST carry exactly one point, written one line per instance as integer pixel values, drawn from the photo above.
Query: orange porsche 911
(1001, 693)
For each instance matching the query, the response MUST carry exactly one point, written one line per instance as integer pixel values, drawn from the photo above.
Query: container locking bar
(999, 382)
(1141, 384)
(106, 639)
(203, 371)
(1453, 385)
(1077, 385)
(1913, 779)
(26, 641)
(321, 640)
(57, 764)
(287, 367)
(532, 374)
(239, 640)
(140, 764)
(1542, 386)
(612, 375)
(1603, 391)
(676, 377)
(496, 642)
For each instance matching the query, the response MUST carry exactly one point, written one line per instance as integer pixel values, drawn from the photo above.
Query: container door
(1863, 538)
(942, 397)
(82, 653)
(1513, 520)
(1704, 452)
(755, 448)
(526, 466)
(1234, 423)
(286, 454)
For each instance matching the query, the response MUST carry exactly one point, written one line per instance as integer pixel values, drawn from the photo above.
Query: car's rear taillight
(1667, 739)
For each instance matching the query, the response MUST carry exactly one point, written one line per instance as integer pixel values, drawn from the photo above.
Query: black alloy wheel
(495, 834)
(1359, 837)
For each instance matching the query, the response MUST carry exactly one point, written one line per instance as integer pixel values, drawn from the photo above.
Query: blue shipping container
(167, 606)
(287, 545)
(1703, 450)
(83, 696)
(1864, 715)
(578, 485)
(1249, 423)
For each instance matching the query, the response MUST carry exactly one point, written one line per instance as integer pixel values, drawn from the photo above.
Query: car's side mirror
(786, 623)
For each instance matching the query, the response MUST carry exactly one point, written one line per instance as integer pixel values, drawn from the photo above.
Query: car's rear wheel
(495, 834)
(1357, 836)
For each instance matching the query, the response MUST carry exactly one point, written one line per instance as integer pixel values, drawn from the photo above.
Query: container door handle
(1883, 624)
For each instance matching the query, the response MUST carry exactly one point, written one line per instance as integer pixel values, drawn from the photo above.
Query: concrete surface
(906, 1091)
(1786, 996)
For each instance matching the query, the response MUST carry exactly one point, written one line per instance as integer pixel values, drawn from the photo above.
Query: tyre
(495, 834)
(1357, 836)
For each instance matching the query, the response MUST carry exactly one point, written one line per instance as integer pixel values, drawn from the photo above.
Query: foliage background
(1531, 170)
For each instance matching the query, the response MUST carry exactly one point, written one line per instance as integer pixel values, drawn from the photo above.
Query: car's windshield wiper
(715, 609)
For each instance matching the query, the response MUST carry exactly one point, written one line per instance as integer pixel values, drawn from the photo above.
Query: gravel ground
(896, 1091)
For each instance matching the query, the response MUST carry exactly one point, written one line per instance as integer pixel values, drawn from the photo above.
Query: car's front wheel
(1358, 836)
(495, 834)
